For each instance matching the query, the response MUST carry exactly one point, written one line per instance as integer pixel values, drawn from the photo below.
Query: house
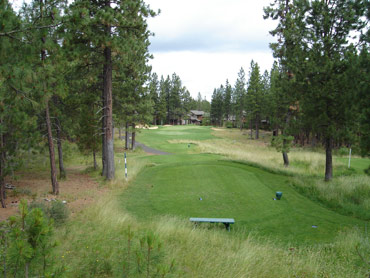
(235, 119)
(195, 117)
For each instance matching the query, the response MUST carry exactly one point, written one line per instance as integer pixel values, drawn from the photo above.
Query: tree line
(172, 100)
(318, 90)
(75, 71)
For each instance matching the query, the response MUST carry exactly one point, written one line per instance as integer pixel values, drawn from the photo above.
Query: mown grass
(159, 138)
(308, 165)
(206, 187)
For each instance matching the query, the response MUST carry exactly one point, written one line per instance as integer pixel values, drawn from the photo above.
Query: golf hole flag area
(206, 186)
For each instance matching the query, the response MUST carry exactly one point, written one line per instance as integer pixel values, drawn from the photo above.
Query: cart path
(150, 150)
(145, 148)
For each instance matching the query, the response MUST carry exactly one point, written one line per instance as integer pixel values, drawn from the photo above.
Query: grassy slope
(94, 244)
(158, 138)
(228, 189)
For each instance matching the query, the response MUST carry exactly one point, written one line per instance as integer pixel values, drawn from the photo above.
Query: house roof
(197, 112)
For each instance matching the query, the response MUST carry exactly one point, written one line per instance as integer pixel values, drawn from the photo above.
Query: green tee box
(225, 221)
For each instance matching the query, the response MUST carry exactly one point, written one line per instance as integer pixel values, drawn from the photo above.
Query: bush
(16, 192)
(55, 210)
(342, 151)
(229, 125)
(26, 243)
(58, 211)
(367, 171)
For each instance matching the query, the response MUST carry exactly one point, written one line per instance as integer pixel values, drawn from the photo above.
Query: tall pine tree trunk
(2, 166)
(26, 268)
(251, 128)
(257, 127)
(53, 168)
(119, 133)
(104, 145)
(94, 157)
(133, 137)
(127, 136)
(62, 171)
(329, 159)
(107, 87)
(241, 122)
(285, 155)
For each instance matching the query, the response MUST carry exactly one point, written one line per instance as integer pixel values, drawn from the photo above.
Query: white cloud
(204, 71)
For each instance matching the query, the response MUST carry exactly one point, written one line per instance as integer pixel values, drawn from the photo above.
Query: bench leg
(227, 226)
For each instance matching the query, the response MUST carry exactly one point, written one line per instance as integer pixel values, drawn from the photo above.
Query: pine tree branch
(20, 92)
(28, 29)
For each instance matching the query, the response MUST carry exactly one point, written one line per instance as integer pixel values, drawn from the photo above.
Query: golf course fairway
(206, 185)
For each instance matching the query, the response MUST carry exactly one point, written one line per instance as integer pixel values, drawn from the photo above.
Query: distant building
(196, 117)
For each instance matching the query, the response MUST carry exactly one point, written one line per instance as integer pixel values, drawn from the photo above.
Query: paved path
(146, 148)
(150, 150)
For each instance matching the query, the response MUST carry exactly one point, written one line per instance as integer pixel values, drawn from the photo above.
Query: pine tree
(112, 29)
(239, 97)
(313, 49)
(41, 19)
(17, 118)
(174, 100)
(254, 97)
(217, 107)
(227, 100)
(154, 95)
(364, 100)
(163, 94)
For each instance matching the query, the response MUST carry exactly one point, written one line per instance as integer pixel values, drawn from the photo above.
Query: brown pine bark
(133, 134)
(104, 145)
(2, 165)
(257, 127)
(107, 87)
(127, 135)
(62, 171)
(286, 159)
(251, 128)
(94, 157)
(329, 159)
(53, 170)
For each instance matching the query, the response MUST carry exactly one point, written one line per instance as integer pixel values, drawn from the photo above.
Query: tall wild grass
(95, 244)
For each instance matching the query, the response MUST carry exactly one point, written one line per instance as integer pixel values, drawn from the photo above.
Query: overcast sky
(207, 41)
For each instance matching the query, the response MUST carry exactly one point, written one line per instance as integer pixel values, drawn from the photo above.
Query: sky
(206, 42)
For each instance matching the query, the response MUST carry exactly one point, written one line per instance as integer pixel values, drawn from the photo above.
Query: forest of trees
(317, 91)
(75, 71)
(172, 101)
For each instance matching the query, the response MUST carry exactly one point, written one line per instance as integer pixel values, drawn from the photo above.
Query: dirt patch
(217, 129)
(78, 190)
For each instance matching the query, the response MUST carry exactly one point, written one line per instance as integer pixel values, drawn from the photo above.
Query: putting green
(206, 187)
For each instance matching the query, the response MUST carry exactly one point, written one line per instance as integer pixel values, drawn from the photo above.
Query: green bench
(225, 221)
